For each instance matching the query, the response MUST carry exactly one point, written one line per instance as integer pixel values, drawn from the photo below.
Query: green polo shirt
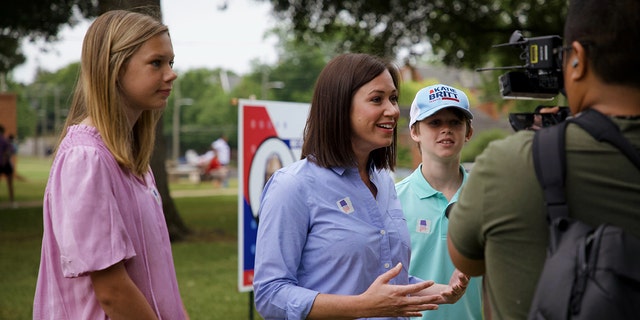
(500, 215)
(424, 209)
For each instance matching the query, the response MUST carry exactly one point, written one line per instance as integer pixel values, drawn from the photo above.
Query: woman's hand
(387, 300)
(380, 300)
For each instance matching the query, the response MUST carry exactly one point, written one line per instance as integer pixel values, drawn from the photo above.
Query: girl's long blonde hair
(109, 43)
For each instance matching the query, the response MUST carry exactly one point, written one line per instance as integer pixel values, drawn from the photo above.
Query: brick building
(9, 113)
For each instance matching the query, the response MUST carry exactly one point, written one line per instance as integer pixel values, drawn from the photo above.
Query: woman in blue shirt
(332, 240)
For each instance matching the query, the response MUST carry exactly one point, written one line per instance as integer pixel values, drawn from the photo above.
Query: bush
(480, 142)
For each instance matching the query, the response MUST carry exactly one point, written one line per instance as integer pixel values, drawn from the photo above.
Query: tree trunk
(177, 229)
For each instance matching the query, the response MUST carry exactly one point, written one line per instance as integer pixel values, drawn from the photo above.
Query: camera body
(540, 78)
(537, 120)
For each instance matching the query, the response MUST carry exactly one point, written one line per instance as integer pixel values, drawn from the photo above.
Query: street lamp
(266, 84)
(177, 103)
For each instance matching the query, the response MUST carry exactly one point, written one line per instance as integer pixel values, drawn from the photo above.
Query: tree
(33, 19)
(294, 75)
(458, 32)
(210, 114)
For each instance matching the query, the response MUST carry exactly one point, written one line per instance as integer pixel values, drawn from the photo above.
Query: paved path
(204, 193)
(175, 194)
(19, 204)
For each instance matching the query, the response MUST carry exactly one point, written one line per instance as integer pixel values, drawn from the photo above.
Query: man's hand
(537, 117)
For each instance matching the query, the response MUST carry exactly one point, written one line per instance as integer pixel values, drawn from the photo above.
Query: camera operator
(498, 227)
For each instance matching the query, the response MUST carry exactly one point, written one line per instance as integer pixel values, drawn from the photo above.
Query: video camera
(540, 78)
(537, 120)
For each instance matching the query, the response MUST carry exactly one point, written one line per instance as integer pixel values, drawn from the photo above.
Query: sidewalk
(19, 204)
(204, 193)
(174, 194)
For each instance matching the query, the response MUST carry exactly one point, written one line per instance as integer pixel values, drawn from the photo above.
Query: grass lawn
(206, 263)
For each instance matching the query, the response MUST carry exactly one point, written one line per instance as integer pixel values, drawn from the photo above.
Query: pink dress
(96, 215)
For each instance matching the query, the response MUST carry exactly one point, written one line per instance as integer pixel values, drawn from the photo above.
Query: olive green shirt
(501, 217)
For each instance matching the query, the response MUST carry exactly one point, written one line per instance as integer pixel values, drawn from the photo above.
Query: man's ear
(578, 64)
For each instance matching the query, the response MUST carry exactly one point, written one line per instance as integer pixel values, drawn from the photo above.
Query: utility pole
(178, 101)
(266, 84)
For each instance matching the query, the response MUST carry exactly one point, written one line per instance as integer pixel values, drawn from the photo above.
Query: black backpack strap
(550, 164)
(601, 128)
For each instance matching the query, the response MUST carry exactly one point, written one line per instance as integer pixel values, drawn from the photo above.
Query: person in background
(332, 241)
(6, 165)
(105, 249)
(440, 125)
(223, 152)
(498, 228)
(14, 159)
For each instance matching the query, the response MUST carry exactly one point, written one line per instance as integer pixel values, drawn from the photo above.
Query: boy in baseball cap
(440, 125)
(434, 98)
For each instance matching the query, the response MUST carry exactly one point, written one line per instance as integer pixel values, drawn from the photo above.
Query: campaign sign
(269, 138)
